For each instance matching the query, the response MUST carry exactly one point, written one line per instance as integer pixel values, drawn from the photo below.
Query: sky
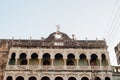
(89, 19)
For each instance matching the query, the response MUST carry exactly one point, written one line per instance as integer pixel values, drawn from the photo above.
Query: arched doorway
(12, 59)
(94, 60)
(71, 78)
(34, 59)
(97, 78)
(58, 59)
(83, 60)
(46, 59)
(9, 78)
(45, 78)
(32, 78)
(20, 78)
(84, 78)
(104, 60)
(107, 78)
(58, 78)
(22, 59)
(71, 59)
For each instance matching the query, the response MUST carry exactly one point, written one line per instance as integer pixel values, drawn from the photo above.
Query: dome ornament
(58, 34)
(58, 28)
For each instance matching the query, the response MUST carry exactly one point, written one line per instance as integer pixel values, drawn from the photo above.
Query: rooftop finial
(58, 27)
(73, 36)
(12, 38)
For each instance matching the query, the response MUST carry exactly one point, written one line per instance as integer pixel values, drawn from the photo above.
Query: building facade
(3, 57)
(117, 51)
(116, 72)
(57, 57)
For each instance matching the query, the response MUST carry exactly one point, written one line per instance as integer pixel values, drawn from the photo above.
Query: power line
(115, 27)
(108, 29)
(115, 36)
(114, 22)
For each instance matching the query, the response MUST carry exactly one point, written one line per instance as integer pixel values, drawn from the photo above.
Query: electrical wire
(109, 27)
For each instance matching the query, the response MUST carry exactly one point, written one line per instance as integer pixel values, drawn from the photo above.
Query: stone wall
(3, 61)
(3, 57)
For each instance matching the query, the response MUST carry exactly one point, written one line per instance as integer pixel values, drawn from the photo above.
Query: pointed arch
(104, 60)
(94, 60)
(84, 78)
(71, 59)
(12, 59)
(45, 78)
(32, 78)
(107, 78)
(46, 59)
(72, 78)
(34, 59)
(97, 78)
(58, 59)
(22, 59)
(9, 78)
(83, 60)
(58, 78)
(20, 78)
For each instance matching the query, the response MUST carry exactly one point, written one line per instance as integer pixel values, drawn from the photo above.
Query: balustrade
(59, 67)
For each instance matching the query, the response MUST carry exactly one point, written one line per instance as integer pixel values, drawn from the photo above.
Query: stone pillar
(52, 65)
(28, 60)
(77, 62)
(40, 63)
(77, 65)
(16, 61)
(89, 62)
(100, 62)
(52, 61)
(65, 61)
(65, 65)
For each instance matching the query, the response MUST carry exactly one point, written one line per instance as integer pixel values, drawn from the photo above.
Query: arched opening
(46, 59)
(71, 60)
(45, 78)
(84, 78)
(12, 59)
(71, 78)
(58, 78)
(46, 62)
(34, 59)
(94, 60)
(97, 78)
(32, 78)
(104, 60)
(116, 49)
(119, 58)
(107, 78)
(20, 78)
(9, 78)
(22, 59)
(58, 59)
(13, 55)
(83, 61)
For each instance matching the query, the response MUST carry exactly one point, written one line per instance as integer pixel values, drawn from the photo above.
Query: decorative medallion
(58, 36)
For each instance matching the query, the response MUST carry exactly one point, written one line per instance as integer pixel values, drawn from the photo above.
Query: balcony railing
(60, 67)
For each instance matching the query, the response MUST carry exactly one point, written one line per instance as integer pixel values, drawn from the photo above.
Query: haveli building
(116, 72)
(116, 69)
(57, 57)
(117, 51)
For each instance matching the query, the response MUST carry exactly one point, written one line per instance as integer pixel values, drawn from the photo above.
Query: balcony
(43, 67)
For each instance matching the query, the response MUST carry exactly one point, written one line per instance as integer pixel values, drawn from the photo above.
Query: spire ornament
(58, 27)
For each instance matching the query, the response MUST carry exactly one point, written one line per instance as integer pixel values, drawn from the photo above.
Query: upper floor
(59, 59)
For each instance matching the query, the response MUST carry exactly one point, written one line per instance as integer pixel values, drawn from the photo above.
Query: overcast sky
(38, 18)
